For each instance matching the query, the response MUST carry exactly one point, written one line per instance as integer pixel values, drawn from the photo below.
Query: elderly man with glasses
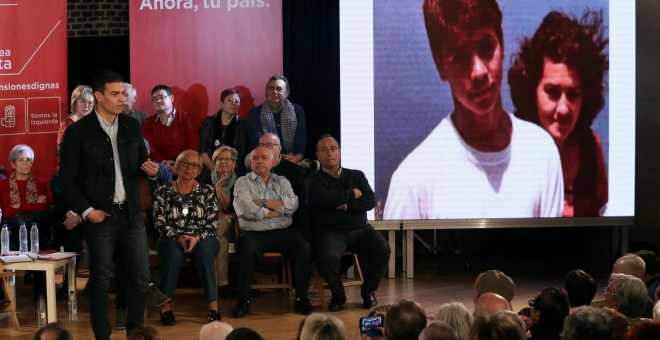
(339, 199)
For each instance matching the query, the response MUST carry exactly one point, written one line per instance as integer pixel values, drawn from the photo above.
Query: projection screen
(396, 111)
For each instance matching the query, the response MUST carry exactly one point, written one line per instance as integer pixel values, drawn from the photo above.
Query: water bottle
(34, 238)
(73, 307)
(22, 237)
(43, 319)
(4, 240)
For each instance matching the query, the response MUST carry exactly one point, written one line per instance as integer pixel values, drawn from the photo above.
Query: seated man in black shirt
(339, 199)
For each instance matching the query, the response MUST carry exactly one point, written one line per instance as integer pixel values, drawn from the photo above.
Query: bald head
(215, 330)
(630, 264)
(489, 303)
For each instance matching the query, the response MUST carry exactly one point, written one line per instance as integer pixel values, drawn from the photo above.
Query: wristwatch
(264, 202)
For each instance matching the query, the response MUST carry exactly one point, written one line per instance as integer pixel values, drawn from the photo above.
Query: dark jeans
(203, 257)
(129, 238)
(251, 246)
(372, 249)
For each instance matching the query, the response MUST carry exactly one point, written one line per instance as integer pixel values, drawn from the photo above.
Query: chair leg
(12, 305)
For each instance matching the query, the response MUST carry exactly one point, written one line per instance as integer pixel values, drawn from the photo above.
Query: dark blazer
(87, 170)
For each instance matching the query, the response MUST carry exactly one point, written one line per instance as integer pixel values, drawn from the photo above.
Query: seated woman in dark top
(223, 178)
(224, 128)
(185, 215)
(556, 81)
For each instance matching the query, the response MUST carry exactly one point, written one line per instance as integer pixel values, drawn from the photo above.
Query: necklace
(184, 209)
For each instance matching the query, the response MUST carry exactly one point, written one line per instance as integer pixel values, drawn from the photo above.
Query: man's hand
(168, 163)
(72, 220)
(96, 216)
(150, 167)
(357, 192)
(293, 158)
(342, 207)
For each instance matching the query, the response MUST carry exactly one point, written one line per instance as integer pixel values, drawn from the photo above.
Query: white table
(49, 267)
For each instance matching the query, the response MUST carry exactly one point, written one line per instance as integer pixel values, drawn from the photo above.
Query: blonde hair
(319, 326)
(457, 316)
(183, 155)
(79, 93)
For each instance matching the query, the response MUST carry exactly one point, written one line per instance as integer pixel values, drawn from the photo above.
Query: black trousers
(251, 245)
(372, 249)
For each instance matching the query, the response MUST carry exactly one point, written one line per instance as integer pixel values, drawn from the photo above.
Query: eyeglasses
(326, 149)
(531, 303)
(607, 292)
(224, 160)
(193, 166)
(156, 99)
(235, 101)
(85, 102)
(268, 145)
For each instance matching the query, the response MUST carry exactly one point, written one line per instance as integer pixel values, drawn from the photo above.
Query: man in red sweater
(169, 131)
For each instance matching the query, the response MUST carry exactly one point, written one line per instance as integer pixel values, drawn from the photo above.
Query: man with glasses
(264, 204)
(281, 117)
(101, 157)
(339, 199)
(169, 131)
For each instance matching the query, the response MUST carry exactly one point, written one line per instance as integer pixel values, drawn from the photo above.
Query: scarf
(30, 191)
(288, 123)
(229, 182)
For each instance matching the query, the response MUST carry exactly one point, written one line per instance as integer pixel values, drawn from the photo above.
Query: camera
(371, 325)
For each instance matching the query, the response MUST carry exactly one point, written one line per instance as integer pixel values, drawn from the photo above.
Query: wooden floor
(437, 280)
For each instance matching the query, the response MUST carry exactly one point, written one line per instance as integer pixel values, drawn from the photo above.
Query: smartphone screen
(370, 323)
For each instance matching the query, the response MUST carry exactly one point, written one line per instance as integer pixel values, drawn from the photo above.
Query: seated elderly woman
(223, 177)
(25, 198)
(185, 215)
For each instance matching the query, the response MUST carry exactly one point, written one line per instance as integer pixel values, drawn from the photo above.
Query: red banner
(33, 79)
(202, 47)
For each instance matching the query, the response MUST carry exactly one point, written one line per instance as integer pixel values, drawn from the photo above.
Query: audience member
(281, 117)
(494, 281)
(549, 310)
(440, 330)
(144, 333)
(185, 215)
(484, 150)
(320, 326)
(580, 288)
(630, 264)
(644, 330)
(620, 323)
(339, 199)
(587, 323)
(503, 325)
(405, 320)
(169, 131)
(215, 330)
(107, 198)
(82, 103)
(129, 105)
(490, 303)
(223, 178)
(651, 271)
(556, 81)
(25, 199)
(656, 311)
(52, 331)
(224, 129)
(627, 295)
(457, 316)
(264, 203)
(3, 172)
(296, 176)
(244, 333)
